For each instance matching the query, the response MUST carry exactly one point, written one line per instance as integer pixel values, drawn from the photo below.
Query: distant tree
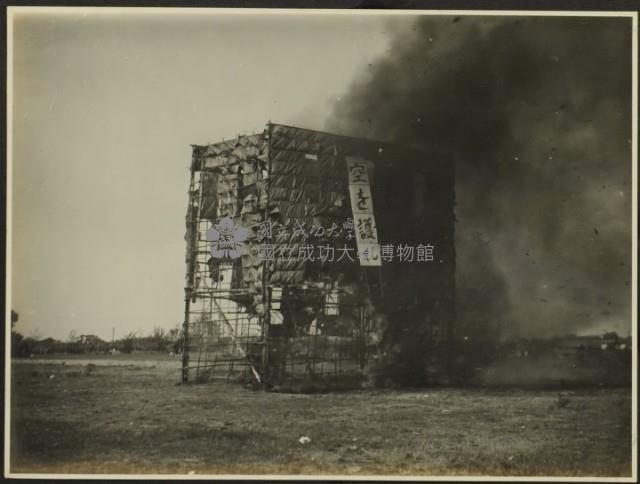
(20, 346)
(44, 346)
(177, 338)
(158, 339)
(17, 344)
(174, 333)
(73, 336)
(611, 335)
(128, 343)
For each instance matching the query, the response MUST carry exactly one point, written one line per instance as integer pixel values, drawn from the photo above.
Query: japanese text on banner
(362, 206)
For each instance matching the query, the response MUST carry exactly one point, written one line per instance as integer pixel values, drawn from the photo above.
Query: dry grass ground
(136, 419)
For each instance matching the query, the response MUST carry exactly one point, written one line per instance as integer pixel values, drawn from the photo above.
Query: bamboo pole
(191, 254)
(265, 295)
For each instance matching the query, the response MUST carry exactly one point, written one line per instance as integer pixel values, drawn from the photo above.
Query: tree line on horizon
(160, 340)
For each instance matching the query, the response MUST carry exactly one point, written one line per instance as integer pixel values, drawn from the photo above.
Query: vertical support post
(266, 299)
(185, 336)
(191, 256)
(266, 356)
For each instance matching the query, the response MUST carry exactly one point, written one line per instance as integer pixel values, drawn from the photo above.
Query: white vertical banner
(364, 222)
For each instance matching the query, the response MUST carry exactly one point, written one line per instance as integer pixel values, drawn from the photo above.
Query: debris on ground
(304, 440)
(563, 401)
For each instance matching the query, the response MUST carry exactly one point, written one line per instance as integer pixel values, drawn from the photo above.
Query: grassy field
(133, 417)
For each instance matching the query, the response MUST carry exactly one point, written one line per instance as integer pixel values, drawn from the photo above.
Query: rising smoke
(537, 114)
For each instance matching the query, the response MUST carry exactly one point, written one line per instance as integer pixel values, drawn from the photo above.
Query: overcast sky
(105, 110)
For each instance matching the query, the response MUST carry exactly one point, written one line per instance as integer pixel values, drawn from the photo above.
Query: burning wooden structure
(313, 255)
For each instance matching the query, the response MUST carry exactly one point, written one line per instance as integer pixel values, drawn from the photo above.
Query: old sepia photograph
(321, 244)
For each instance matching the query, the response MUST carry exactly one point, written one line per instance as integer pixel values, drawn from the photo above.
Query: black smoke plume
(537, 114)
